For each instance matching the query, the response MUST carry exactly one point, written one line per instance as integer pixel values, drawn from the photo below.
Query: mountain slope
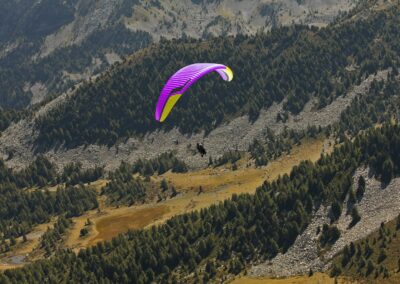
(221, 240)
(227, 17)
(268, 68)
(374, 258)
(33, 33)
(116, 109)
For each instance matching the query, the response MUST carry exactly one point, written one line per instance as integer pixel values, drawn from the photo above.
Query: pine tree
(310, 273)
(83, 232)
(13, 241)
(24, 238)
(336, 210)
(370, 268)
(387, 170)
(352, 197)
(355, 216)
(382, 255)
(164, 185)
(398, 265)
(360, 188)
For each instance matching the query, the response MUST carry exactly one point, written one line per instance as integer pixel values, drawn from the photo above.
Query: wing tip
(229, 74)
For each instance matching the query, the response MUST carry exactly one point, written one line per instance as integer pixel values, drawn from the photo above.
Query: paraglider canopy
(181, 81)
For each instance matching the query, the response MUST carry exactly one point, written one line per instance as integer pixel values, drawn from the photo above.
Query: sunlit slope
(218, 184)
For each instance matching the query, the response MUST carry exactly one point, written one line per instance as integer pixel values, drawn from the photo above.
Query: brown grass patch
(219, 183)
(110, 222)
(110, 226)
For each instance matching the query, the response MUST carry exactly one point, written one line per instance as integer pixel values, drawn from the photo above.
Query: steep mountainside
(220, 241)
(48, 46)
(302, 146)
(292, 76)
(227, 17)
(375, 257)
(279, 66)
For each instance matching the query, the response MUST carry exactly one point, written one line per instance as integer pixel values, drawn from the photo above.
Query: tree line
(379, 104)
(22, 210)
(24, 205)
(124, 188)
(42, 172)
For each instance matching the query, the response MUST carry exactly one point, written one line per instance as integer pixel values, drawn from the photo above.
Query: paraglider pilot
(201, 149)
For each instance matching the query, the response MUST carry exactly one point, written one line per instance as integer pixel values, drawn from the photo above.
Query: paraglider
(181, 81)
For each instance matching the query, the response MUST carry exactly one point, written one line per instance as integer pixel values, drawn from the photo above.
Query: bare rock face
(172, 19)
(377, 205)
(39, 92)
(96, 16)
(195, 18)
(237, 134)
(301, 256)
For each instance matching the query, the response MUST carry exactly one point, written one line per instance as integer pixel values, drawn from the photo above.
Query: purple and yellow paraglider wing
(182, 80)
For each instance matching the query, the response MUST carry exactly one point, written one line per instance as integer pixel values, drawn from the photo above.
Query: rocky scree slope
(378, 204)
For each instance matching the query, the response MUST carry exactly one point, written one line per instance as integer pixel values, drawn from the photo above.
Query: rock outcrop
(377, 205)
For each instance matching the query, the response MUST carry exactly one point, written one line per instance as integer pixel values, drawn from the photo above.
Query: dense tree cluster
(272, 146)
(41, 172)
(224, 237)
(296, 63)
(27, 23)
(74, 174)
(160, 165)
(380, 104)
(27, 19)
(7, 116)
(329, 235)
(123, 187)
(23, 206)
(51, 238)
(381, 152)
(124, 8)
(21, 209)
(228, 157)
